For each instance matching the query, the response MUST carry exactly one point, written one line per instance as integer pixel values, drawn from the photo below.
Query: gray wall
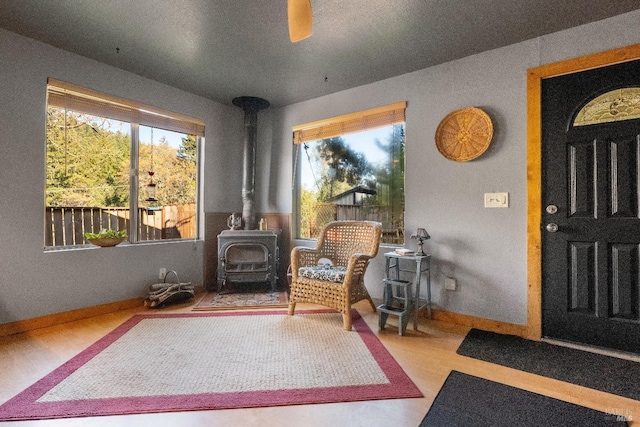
(484, 249)
(34, 282)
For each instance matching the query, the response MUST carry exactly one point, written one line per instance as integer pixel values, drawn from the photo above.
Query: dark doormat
(595, 371)
(465, 400)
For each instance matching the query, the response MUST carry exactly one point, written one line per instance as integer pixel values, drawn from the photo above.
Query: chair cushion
(329, 273)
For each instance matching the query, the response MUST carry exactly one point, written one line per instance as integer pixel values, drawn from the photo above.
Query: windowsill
(55, 249)
(312, 242)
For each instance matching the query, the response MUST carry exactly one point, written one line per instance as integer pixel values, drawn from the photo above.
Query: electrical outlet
(162, 274)
(450, 283)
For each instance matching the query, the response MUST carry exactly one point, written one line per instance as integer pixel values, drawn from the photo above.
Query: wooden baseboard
(67, 316)
(480, 323)
(84, 313)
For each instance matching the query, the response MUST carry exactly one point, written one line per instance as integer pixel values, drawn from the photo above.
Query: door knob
(552, 227)
(551, 209)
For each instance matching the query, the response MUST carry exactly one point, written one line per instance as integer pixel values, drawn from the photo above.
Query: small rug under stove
(242, 296)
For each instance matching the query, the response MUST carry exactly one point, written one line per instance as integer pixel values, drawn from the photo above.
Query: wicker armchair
(332, 274)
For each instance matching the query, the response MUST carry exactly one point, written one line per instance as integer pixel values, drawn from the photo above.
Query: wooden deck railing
(392, 228)
(65, 226)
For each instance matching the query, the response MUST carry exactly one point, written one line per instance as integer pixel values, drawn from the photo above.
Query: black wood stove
(248, 255)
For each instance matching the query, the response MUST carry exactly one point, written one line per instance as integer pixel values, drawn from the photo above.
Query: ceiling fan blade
(300, 19)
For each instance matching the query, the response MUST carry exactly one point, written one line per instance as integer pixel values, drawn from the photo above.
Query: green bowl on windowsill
(107, 242)
(106, 238)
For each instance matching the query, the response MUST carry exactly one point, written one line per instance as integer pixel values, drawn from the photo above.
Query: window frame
(387, 115)
(74, 98)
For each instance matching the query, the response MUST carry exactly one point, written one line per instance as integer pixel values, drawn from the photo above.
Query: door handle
(552, 227)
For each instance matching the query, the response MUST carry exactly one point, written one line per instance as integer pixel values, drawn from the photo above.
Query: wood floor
(427, 356)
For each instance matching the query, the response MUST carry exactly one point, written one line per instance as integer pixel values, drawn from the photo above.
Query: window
(616, 105)
(103, 155)
(351, 167)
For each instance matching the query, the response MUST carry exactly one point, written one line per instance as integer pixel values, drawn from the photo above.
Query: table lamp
(420, 234)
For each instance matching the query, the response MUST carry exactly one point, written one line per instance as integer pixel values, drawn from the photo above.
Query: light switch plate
(496, 200)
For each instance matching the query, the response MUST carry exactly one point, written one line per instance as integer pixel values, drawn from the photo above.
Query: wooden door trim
(534, 167)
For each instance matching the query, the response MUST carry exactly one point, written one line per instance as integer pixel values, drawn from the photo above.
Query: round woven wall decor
(464, 134)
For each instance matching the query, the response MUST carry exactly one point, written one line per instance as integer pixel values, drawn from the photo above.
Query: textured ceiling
(222, 49)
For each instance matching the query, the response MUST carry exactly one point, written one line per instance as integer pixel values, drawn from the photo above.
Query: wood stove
(247, 256)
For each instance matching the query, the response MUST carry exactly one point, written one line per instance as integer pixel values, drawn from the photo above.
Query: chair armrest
(302, 256)
(359, 257)
(356, 268)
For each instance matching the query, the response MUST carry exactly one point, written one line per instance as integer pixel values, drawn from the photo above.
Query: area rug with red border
(204, 361)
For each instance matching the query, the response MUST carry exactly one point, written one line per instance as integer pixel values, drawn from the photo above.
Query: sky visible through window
(362, 142)
(173, 139)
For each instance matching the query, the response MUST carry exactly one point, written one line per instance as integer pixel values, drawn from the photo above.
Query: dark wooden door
(590, 219)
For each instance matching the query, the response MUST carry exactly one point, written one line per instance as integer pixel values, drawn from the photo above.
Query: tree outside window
(355, 176)
(91, 180)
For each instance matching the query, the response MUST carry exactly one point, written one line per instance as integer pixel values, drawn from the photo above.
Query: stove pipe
(251, 106)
